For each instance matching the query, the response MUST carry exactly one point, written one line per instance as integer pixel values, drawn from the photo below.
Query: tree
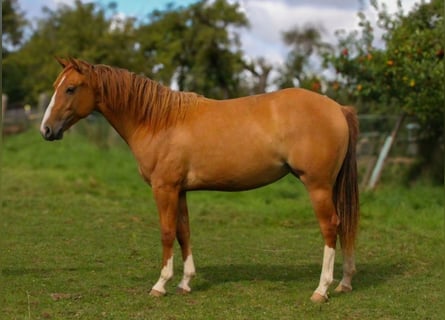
(86, 30)
(260, 70)
(306, 45)
(13, 24)
(196, 47)
(405, 76)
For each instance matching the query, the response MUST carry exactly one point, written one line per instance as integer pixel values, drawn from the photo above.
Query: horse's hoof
(182, 291)
(342, 289)
(156, 293)
(318, 298)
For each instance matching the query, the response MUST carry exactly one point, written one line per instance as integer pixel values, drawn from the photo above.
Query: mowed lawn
(80, 240)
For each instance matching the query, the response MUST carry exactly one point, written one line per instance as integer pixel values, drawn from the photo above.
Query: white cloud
(58, 2)
(338, 4)
(269, 18)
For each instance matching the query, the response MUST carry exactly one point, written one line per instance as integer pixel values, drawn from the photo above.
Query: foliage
(196, 46)
(85, 30)
(404, 76)
(80, 239)
(260, 71)
(306, 43)
(13, 24)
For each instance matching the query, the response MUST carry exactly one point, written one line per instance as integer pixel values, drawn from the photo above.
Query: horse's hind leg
(321, 198)
(348, 272)
(183, 236)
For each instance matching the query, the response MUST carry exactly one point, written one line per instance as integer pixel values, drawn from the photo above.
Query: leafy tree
(13, 24)
(306, 45)
(405, 76)
(196, 46)
(260, 69)
(85, 30)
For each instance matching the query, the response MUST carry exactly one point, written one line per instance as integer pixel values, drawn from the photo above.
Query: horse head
(73, 99)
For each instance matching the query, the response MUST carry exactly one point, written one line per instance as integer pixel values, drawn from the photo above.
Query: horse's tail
(346, 193)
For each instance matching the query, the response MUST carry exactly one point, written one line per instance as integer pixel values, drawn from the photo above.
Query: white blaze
(49, 108)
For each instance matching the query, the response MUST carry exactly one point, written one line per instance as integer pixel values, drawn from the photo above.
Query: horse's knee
(168, 237)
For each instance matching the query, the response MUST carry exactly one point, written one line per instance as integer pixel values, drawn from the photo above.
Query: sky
(268, 18)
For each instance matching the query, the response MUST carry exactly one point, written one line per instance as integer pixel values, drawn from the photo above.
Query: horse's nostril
(47, 132)
(50, 134)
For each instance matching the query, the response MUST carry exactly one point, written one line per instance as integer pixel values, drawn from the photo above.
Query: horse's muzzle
(50, 134)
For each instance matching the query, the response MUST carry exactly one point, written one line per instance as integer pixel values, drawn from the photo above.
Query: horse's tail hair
(346, 193)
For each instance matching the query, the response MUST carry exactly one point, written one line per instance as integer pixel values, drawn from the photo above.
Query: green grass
(80, 240)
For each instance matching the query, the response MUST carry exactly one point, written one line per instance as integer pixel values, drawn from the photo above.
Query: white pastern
(49, 108)
(189, 272)
(166, 274)
(327, 271)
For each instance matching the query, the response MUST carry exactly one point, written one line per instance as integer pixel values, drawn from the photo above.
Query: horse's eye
(70, 90)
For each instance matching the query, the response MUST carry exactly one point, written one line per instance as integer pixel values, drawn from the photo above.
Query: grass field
(80, 240)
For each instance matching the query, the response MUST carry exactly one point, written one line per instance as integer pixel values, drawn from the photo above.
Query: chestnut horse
(183, 141)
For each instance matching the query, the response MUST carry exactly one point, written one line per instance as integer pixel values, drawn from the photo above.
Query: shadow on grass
(368, 274)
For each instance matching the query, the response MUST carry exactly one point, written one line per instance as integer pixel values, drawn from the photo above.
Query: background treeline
(197, 48)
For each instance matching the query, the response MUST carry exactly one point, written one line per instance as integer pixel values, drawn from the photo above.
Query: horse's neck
(126, 121)
(118, 120)
(150, 108)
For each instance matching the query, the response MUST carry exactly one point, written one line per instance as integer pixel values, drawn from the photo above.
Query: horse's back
(282, 118)
(251, 141)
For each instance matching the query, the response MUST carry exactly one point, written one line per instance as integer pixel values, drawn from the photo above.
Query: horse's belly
(230, 176)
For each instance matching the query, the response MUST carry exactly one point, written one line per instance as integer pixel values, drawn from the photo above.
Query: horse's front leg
(183, 236)
(167, 201)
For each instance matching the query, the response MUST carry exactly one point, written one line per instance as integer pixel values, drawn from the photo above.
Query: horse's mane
(149, 102)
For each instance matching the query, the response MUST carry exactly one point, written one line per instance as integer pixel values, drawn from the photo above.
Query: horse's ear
(61, 61)
(76, 64)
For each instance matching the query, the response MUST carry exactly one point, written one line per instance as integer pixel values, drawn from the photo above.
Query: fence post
(376, 173)
(4, 105)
